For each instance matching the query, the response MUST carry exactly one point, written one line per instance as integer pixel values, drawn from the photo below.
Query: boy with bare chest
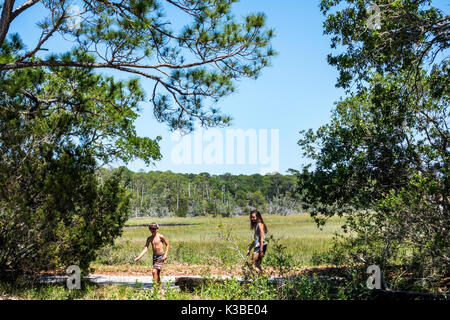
(157, 241)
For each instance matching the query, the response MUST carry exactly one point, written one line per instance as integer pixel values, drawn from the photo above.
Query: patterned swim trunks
(157, 261)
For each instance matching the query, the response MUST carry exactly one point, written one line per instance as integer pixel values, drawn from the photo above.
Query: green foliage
(113, 254)
(96, 114)
(90, 291)
(191, 67)
(278, 257)
(305, 288)
(382, 161)
(186, 254)
(301, 288)
(257, 201)
(44, 227)
(233, 289)
(298, 287)
(410, 34)
(54, 210)
(158, 193)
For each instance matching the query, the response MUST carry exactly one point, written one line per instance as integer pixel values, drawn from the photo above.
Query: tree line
(157, 193)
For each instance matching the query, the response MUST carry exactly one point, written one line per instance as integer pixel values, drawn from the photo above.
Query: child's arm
(144, 251)
(164, 240)
(261, 236)
(250, 247)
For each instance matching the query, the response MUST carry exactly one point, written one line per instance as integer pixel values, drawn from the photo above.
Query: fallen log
(189, 283)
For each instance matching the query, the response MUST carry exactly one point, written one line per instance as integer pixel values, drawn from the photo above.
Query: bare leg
(157, 278)
(257, 261)
(159, 281)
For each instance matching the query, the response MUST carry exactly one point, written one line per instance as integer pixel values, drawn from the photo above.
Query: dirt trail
(183, 269)
(169, 269)
(177, 269)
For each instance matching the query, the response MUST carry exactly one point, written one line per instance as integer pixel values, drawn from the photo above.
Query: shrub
(59, 214)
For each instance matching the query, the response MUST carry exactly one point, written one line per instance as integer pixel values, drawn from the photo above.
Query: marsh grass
(199, 242)
(292, 239)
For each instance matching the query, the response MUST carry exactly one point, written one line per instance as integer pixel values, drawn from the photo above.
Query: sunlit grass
(197, 244)
(199, 241)
(88, 291)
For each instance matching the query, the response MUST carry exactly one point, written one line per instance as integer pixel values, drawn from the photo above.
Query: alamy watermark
(228, 147)
(375, 278)
(74, 279)
(74, 20)
(374, 20)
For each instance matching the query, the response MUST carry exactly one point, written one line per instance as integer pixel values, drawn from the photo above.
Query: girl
(257, 224)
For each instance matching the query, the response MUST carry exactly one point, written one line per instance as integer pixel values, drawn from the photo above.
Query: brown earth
(184, 269)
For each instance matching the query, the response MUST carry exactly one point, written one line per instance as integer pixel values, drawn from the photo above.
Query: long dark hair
(258, 219)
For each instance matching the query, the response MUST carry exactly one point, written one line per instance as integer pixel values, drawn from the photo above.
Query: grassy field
(198, 241)
(198, 248)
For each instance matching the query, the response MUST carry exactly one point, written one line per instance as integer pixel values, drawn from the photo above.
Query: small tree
(382, 161)
(42, 226)
(257, 201)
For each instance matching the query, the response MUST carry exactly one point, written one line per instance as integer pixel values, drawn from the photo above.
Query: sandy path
(145, 282)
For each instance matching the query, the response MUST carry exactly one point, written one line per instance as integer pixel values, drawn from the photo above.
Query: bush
(233, 289)
(278, 257)
(58, 214)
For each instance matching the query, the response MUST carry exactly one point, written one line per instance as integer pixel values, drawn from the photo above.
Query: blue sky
(297, 92)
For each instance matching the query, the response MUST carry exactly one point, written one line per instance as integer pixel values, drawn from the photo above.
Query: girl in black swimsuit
(259, 243)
